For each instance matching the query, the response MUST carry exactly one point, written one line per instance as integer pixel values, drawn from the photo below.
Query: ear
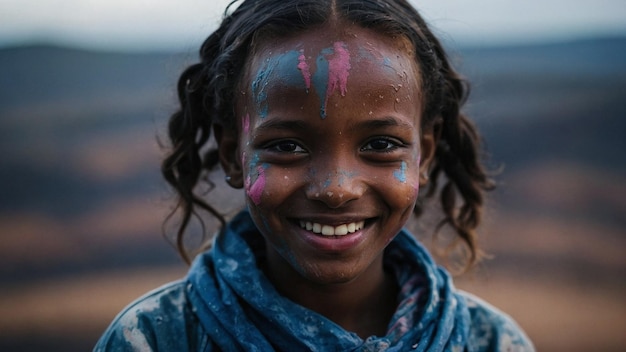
(228, 151)
(428, 144)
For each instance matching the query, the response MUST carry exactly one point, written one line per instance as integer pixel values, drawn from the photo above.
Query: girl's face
(328, 149)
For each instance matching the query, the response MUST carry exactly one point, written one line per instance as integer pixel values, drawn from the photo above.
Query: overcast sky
(183, 24)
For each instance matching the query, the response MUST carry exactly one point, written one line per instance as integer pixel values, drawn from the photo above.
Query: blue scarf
(241, 311)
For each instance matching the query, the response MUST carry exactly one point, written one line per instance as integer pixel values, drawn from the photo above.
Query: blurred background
(86, 88)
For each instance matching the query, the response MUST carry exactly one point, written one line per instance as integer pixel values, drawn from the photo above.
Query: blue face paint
(367, 55)
(333, 66)
(320, 78)
(288, 68)
(259, 86)
(254, 161)
(343, 175)
(400, 175)
(387, 63)
(328, 182)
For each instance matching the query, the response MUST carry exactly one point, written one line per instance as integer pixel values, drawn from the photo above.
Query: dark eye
(286, 147)
(380, 145)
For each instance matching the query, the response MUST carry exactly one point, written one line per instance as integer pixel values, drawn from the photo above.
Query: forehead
(367, 49)
(321, 68)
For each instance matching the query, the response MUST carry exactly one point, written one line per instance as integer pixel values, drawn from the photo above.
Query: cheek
(267, 186)
(255, 184)
(245, 125)
(405, 184)
(255, 177)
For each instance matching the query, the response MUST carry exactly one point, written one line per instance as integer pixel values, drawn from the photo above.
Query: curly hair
(206, 91)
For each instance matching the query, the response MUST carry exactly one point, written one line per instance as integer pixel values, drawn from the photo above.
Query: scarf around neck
(241, 310)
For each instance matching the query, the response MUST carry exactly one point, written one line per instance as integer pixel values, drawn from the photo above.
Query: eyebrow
(281, 124)
(297, 125)
(382, 123)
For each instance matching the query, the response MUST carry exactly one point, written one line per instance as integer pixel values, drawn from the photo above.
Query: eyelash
(274, 147)
(392, 144)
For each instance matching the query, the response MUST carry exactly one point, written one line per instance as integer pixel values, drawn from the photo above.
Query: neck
(363, 305)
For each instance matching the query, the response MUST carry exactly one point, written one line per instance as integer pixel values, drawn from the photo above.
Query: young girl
(331, 115)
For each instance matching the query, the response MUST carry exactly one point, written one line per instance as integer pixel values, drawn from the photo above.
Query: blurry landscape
(82, 201)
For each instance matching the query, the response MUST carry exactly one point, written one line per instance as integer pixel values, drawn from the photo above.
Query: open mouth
(329, 230)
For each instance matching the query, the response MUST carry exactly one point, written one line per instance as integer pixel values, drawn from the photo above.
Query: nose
(335, 187)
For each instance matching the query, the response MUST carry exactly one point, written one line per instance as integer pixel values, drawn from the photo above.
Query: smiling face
(328, 150)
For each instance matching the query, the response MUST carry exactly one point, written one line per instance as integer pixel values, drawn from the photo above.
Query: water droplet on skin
(396, 88)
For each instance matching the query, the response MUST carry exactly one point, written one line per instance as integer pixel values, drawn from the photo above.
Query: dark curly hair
(206, 91)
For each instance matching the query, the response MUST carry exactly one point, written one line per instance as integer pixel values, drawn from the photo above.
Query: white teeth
(328, 230)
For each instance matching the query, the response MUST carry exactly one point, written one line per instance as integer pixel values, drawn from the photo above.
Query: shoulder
(159, 320)
(493, 330)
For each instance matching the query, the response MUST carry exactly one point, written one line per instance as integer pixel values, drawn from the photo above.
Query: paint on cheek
(333, 68)
(255, 190)
(304, 69)
(400, 175)
(253, 162)
(245, 124)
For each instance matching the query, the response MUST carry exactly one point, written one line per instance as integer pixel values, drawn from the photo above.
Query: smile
(328, 230)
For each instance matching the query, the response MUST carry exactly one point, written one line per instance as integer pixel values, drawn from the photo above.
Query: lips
(330, 230)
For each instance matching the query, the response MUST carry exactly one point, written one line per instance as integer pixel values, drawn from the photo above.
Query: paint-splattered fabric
(227, 304)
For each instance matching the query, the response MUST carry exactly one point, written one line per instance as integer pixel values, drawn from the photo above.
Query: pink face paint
(333, 66)
(338, 70)
(255, 191)
(245, 124)
(304, 69)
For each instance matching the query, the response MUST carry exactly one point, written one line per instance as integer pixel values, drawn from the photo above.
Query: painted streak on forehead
(289, 68)
(387, 63)
(292, 69)
(332, 70)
